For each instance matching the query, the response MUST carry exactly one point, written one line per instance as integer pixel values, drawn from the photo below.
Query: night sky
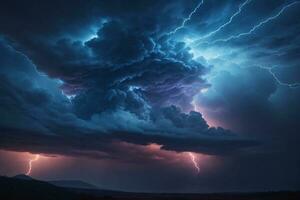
(152, 95)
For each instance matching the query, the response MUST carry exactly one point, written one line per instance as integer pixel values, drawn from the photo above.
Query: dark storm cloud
(40, 118)
(125, 83)
(116, 45)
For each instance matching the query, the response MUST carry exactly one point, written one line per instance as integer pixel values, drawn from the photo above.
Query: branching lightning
(251, 31)
(185, 19)
(290, 85)
(30, 164)
(257, 25)
(193, 159)
(228, 22)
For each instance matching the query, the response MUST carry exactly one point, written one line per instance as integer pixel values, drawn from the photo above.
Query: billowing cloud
(118, 108)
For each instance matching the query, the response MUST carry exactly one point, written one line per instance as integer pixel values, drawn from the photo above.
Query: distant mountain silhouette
(23, 177)
(73, 184)
(22, 187)
(62, 183)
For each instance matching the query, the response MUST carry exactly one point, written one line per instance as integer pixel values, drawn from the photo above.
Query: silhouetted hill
(23, 177)
(18, 188)
(28, 189)
(73, 184)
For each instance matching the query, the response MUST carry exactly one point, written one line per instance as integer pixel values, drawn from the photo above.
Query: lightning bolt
(257, 25)
(290, 85)
(185, 19)
(193, 159)
(228, 22)
(30, 164)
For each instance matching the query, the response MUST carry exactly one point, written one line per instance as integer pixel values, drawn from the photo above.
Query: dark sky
(136, 94)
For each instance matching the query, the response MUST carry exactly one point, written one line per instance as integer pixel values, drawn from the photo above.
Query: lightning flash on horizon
(31, 162)
(193, 159)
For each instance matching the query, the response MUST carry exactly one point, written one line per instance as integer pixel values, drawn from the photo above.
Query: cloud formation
(120, 84)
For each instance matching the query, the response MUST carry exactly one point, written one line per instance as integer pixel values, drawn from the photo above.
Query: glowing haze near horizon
(155, 96)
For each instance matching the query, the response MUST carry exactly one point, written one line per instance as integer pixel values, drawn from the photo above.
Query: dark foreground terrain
(17, 188)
